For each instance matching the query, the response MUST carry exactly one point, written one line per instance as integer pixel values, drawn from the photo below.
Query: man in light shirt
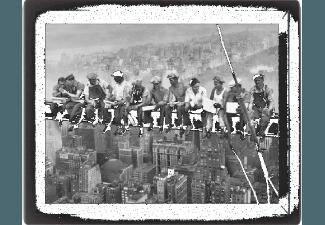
(121, 95)
(194, 100)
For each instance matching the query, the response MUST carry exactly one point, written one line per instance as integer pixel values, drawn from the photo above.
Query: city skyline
(172, 169)
(87, 39)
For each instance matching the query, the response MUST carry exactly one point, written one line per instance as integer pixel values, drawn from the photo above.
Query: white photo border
(148, 14)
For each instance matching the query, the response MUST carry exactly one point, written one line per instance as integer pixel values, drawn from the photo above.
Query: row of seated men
(124, 97)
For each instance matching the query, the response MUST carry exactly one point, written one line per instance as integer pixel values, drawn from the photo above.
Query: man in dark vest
(139, 98)
(95, 92)
(261, 105)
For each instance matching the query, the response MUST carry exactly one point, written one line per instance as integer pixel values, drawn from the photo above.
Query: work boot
(209, 133)
(161, 129)
(182, 131)
(204, 133)
(188, 129)
(169, 128)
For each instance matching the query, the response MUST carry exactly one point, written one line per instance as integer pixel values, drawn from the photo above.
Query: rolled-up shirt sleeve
(187, 96)
(269, 92)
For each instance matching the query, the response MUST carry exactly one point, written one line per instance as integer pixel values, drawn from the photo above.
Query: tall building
(72, 141)
(161, 187)
(88, 137)
(168, 154)
(53, 140)
(189, 171)
(198, 191)
(68, 160)
(89, 177)
(113, 193)
(240, 195)
(219, 192)
(177, 189)
(146, 141)
(144, 174)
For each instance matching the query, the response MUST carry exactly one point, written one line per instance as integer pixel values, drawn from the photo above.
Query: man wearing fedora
(261, 104)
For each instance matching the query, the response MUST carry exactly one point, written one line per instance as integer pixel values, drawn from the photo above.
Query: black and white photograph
(150, 115)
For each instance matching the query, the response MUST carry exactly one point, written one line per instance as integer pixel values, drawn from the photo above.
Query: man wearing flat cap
(261, 105)
(235, 93)
(176, 100)
(194, 100)
(121, 95)
(218, 96)
(157, 97)
(96, 91)
(73, 89)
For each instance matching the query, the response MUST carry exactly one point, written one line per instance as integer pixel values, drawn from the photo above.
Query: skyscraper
(53, 139)
(89, 177)
(177, 189)
(168, 154)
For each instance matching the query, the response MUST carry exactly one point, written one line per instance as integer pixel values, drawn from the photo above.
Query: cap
(219, 79)
(155, 80)
(172, 74)
(70, 77)
(118, 73)
(194, 81)
(92, 76)
(258, 75)
(232, 82)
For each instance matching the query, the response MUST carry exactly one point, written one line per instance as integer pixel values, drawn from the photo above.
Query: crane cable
(252, 129)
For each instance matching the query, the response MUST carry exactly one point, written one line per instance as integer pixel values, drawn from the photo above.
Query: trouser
(263, 115)
(74, 110)
(203, 113)
(142, 117)
(162, 113)
(119, 114)
(241, 122)
(102, 112)
(183, 117)
(55, 108)
(221, 119)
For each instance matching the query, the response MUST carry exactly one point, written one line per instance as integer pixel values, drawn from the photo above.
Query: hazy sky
(84, 38)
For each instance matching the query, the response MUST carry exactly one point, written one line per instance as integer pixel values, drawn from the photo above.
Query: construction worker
(261, 104)
(121, 95)
(157, 96)
(194, 100)
(96, 91)
(57, 92)
(73, 89)
(235, 93)
(139, 98)
(218, 96)
(176, 100)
